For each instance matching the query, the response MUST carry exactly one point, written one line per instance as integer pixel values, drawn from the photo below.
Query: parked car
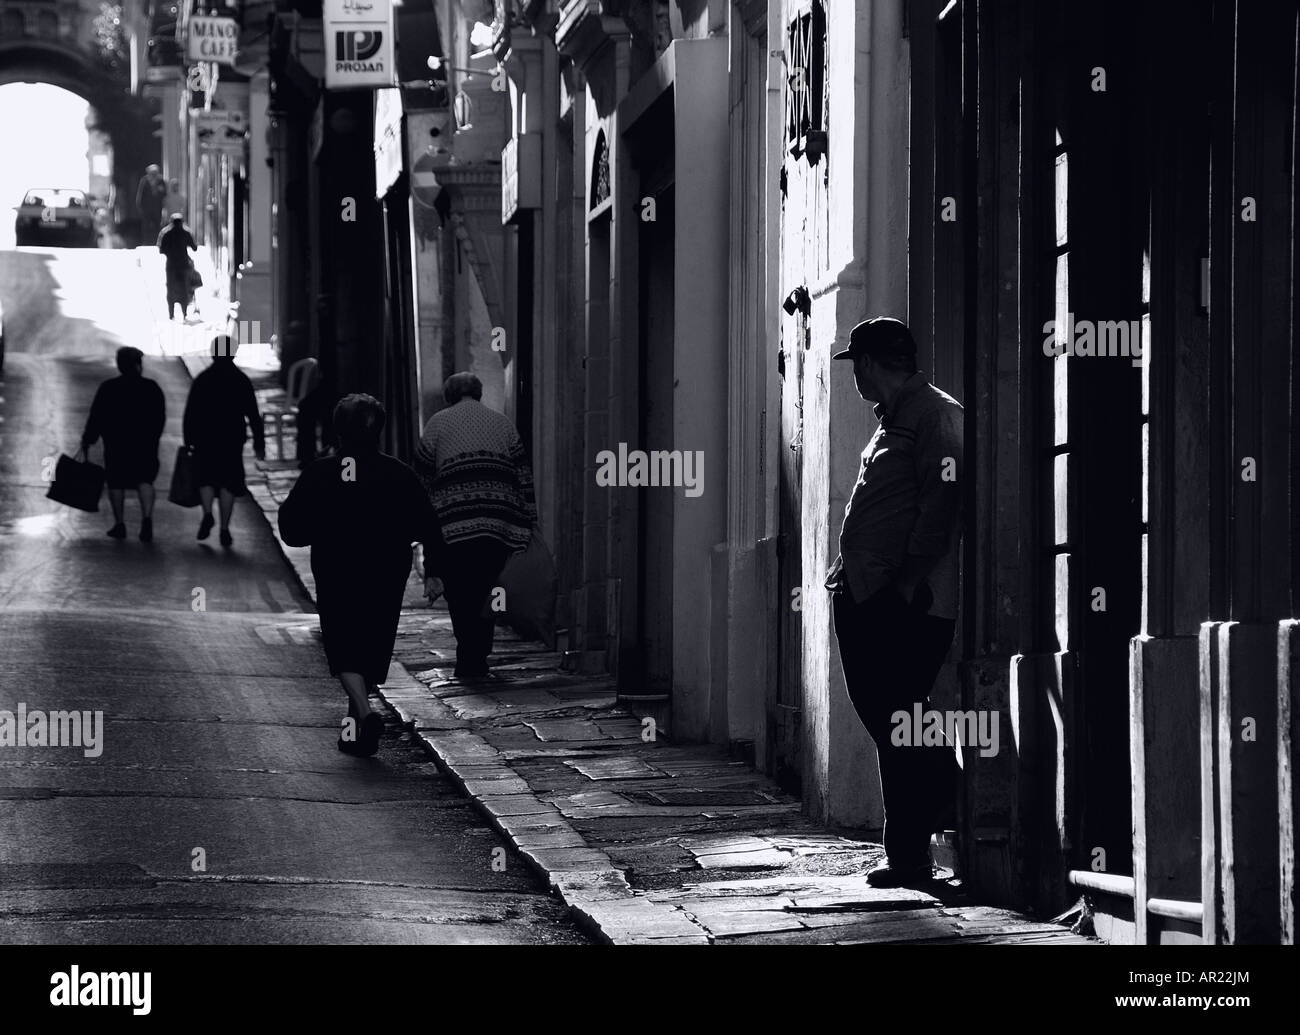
(49, 215)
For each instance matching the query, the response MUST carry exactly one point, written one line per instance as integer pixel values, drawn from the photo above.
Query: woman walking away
(359, 510)
(220, 408)
(176, 243)
(128, 413)
(475, 469)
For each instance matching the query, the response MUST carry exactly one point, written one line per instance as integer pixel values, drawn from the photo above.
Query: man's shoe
(146, 530)
(205, 526)
(887, 876)
(118, 531)
(225, 537)
(469, 670)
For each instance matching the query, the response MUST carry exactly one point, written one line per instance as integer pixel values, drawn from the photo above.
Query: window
(806, 93)
(1062, 468)
(600, 172)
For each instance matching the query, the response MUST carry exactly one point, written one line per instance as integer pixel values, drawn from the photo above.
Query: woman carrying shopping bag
(218, 413)
(129, 413)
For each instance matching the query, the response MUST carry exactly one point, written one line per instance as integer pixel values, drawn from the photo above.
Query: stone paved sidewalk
(646, 840)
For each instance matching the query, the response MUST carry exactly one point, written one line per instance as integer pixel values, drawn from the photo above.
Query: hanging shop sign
(358, 44)
(213, 39)
(388, 139)
(521, 175)
(221, 130)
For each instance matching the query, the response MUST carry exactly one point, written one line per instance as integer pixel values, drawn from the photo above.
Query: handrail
(1107, 883)
(1174, 909)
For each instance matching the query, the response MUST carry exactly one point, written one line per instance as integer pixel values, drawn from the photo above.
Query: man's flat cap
(880, 336)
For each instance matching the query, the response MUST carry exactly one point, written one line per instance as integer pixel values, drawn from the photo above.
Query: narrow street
(219, 810)
(854, 448)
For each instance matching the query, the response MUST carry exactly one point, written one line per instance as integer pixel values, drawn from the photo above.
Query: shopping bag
(194, 277)
(529, 582)
(184, 490)
(77, 483)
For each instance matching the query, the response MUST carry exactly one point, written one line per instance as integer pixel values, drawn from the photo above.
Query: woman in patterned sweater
(473, 465)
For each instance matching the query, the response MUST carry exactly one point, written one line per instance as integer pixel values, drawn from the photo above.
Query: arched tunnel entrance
(125, 119)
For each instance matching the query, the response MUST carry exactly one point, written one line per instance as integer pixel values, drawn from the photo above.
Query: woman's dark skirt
(178, 287)
(221, 467)
(127, 468)
(360, 602)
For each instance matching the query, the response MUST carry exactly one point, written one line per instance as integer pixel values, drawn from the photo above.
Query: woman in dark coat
(359, 511)
(128, 413)
(220, 408)
(176, 243)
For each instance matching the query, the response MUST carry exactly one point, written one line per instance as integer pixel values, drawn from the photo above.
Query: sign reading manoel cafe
(213, 39)
(358, 44)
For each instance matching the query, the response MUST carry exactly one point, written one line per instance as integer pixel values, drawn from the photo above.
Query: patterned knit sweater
(472, 463)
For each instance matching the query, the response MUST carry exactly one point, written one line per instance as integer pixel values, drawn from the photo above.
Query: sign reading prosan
(213, 39)
(358, 44)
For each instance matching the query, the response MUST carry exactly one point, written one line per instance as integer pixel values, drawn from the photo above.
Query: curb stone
(586, 880)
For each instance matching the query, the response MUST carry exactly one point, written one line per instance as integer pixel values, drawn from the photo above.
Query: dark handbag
(194, 276)
(77, 483)
(184, 490)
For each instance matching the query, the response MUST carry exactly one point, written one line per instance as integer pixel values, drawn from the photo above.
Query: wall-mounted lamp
(482, 36)
(436, 64)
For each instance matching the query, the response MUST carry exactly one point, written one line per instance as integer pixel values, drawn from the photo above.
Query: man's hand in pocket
(917, 595)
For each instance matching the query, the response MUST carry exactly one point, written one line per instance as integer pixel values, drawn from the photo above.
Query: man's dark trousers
(470, 569)
(891, 652)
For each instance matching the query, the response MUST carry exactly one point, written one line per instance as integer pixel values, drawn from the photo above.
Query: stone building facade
(1095, 254)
